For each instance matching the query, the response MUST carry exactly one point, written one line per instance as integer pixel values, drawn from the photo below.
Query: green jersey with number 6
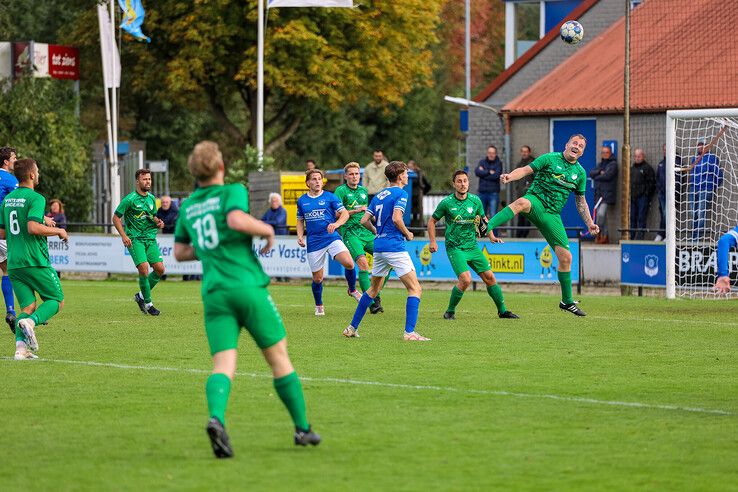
(21, 206)
(227, 256)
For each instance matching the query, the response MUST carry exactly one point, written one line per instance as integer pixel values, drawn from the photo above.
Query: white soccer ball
(572, 32)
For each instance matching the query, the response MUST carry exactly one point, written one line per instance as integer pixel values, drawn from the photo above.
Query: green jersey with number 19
(227, 256)
(21, 206)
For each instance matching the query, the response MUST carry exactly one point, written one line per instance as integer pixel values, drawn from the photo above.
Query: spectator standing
(488, 171)
(661, 190)
(424, 188)
(705, 176)
(605, 178)
(520, 187)
(374, 178)
(276, 215)
(642, 186)
(310, 165)
(56, 213)
(167, 213)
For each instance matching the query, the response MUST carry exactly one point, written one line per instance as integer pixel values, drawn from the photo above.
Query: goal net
(701, 199)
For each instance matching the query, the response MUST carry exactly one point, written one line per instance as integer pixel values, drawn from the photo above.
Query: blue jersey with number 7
(389, 239)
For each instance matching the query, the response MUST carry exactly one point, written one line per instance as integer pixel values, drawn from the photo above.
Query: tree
(39, 121)
(376, 54)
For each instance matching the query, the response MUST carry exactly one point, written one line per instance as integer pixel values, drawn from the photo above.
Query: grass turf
(491, 410)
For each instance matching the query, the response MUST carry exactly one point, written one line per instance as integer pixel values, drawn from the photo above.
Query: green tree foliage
(39, 121)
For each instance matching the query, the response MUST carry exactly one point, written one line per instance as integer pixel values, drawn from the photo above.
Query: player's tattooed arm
(583, 210)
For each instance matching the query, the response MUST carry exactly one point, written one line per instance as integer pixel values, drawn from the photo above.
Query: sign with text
(643, 264)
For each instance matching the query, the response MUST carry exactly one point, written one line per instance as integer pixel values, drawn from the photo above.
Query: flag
(310, 3)
(110, 57)
(133, 17)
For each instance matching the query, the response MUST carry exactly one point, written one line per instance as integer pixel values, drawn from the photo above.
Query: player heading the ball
(558, 174)
(215, 226)
(319, 215)
(387, 209)
(463, 213)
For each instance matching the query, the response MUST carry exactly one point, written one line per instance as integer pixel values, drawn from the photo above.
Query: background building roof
(684, 54)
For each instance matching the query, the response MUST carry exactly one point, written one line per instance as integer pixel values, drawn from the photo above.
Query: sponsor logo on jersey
(317, 214)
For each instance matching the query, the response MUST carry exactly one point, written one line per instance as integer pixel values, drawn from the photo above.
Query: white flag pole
(102, 19)
(260, 86)
(114, 171)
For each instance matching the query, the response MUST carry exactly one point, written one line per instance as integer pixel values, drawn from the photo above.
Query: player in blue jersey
(729, 240)
(387, 209)
(319, 215)
(7, 184)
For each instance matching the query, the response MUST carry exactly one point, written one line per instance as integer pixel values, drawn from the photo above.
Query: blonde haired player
(215, 227)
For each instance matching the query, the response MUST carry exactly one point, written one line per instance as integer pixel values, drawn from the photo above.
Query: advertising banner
(292, 187)
(63, 62)
(696, 264)
(643, 264)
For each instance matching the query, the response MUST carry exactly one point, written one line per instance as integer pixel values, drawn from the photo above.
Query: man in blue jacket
(605, 178)
(488, 171)
(705, 177)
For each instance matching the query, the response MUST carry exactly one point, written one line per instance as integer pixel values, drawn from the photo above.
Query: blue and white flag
(133, 17)
(310, 3)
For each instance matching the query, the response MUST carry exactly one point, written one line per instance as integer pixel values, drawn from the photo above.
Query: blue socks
(351, 278)
(8, 295)
(364, 304)
(411, 313)
(318, 293)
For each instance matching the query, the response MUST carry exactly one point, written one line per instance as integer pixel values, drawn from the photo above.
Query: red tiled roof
(532, 52)
(684, 54)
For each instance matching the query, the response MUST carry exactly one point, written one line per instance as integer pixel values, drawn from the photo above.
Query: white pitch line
(449, 389)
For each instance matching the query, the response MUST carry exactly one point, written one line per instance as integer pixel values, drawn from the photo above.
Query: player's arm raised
(583, 210)
(240, 221)
(399, 221)
(366, 221)
(516, 174)
(433, 246)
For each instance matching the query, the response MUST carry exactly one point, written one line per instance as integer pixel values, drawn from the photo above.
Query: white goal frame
(671, 117)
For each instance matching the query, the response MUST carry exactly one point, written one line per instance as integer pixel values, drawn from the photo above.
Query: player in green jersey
(557, 175)
(137, 209)
(29, 268)
(463, 212)
(215, 227)
(357, 238)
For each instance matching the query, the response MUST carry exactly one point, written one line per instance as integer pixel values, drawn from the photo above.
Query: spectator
(642, 186)
(167, 213)
(56, 213)
(488, 171)
(424, 188)
(661, 190)
(310, 165)
(705, 176)
(276, 215)
(605, 178)
(374, 178)
(520, 187)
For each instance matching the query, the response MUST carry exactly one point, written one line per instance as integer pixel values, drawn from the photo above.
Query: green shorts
(145, 250)
(548, 223)
(227, 311)
(358, 246)
(29, 280)
(461, 260)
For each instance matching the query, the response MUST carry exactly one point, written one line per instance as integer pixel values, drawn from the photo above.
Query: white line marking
(576, 399)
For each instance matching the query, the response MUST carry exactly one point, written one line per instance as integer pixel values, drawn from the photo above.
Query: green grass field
(641, 394)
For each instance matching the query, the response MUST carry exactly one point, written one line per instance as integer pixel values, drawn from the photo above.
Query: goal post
(701, 198)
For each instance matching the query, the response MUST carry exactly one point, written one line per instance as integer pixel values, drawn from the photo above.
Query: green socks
(217, 390)
(45, 311)
(143, 284)
(495, 292)
(364, 281)
(153, 279)
(456, 295)
(289, 390)
(18, 332)
(501, 217)
(565, 281)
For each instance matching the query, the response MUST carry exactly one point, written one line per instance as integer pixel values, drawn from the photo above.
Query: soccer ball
(572, 32)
